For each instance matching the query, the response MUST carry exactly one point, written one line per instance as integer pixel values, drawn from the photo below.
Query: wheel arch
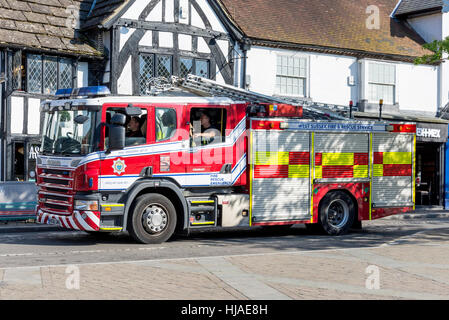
(165, 188)
(347, 192)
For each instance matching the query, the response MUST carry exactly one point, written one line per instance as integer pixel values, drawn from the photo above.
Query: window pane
(186, 67)
(202, 68)
(16, 72)
(34, 73)
(165, 124)
(146, 72)
(50, 75)
(382, 73)
(380, 91)
(164, 66)
(65, 74)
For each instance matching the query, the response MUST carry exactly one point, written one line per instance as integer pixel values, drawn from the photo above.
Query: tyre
(337, 213)
(152, 219)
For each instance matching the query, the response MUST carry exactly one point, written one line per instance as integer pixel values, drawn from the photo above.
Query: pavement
(399, 258)
(411, 267)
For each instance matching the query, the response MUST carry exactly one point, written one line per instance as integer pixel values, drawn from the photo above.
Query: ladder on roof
(202, 86)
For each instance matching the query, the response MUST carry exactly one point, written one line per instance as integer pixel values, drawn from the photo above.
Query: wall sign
(430, 132)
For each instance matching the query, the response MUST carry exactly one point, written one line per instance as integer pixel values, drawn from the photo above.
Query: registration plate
(53, 221)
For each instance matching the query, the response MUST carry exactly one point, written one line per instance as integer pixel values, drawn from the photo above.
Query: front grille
(56, 190)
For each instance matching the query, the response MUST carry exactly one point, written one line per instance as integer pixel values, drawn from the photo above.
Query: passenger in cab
(134, 128)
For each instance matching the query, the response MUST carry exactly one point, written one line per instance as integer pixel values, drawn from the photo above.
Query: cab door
(210, 161)
(170, 141)
(120, 169)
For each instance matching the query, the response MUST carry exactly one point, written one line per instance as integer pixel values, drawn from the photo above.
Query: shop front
(430, 163)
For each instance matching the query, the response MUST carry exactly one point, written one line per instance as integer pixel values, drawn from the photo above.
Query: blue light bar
(96, 91)
(64, 93)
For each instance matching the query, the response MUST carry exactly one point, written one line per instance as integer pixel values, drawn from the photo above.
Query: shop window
(25, 156)
(207, 126)
(33, 151)
(19, 161)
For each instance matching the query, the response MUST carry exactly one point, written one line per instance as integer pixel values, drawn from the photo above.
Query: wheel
(152, 219)
(337, 213)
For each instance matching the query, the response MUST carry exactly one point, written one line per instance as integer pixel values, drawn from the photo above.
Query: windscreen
(69, 133)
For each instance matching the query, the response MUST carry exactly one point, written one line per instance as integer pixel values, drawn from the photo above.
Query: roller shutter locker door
(392, 169)
(281, 176)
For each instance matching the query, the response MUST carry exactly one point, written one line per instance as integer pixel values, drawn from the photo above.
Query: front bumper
(79, 220)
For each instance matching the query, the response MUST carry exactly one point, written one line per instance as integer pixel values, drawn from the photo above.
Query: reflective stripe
(319, 172)
(361, 171)
(338, 159)
(298, 171)
(272, 158)
(397, 158)
(378, 170)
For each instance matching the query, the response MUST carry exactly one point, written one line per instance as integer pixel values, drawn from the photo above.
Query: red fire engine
(157, 165)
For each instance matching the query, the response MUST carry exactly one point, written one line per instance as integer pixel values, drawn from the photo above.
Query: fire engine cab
(156, 165)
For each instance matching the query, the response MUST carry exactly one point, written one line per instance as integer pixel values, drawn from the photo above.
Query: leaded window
(146, 72)
(164, 66)
(50, 75)
(202, 68)
(65, 74)
(186, 67)
(197, 67)
(46, 74)
(34, 72)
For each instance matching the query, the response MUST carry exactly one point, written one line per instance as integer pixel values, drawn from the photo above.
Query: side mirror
(81, 119)
(133, 111)
(117, 132)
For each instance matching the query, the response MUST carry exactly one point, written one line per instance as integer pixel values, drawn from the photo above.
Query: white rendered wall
(83, 74)
(17, 108)
(417, 87)
(328, 81)
(34, 116)
(126, 79)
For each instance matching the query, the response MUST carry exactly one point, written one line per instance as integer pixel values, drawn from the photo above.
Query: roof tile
(334, 24)
(42, 24)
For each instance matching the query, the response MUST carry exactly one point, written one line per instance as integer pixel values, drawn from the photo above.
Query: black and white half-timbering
(162, 38)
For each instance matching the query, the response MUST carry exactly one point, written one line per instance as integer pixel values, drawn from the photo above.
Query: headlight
(86, 205)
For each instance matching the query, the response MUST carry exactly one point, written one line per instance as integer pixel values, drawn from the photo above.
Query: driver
(209, 133)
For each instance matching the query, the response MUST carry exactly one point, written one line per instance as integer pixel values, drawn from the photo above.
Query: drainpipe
(440, 89)
(245, 46)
